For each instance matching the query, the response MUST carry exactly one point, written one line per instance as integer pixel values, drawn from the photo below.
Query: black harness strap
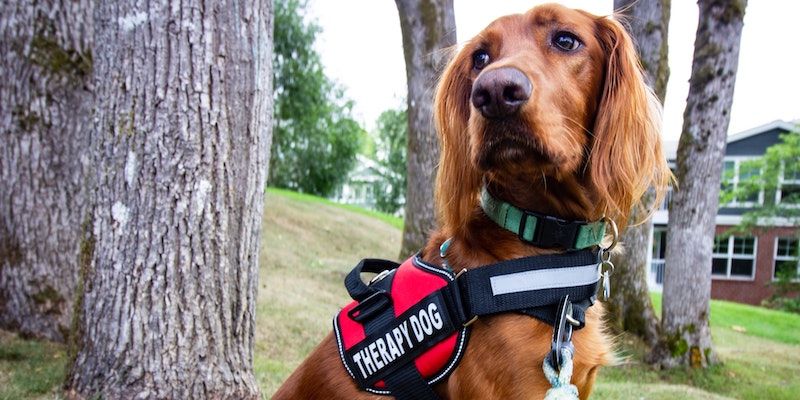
(532, 285)
(539, 286)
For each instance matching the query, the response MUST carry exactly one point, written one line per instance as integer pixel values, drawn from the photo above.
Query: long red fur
(592, 148)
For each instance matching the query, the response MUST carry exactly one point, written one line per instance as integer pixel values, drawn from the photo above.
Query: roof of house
(671, 147)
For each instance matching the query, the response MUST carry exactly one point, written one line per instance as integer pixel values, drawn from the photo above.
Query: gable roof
(787, 126)
(671, 147)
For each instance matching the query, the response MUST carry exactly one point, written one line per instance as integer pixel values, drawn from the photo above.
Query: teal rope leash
(561, 389)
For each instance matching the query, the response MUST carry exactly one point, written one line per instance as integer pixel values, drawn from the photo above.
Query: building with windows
(743, 267)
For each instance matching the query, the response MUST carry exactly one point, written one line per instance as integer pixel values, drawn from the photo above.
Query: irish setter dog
(549, 109)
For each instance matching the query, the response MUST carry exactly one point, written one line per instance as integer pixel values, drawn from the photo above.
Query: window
(658, 253)
(735, 173)
(787, 257)
(789, 185)
(659, 243)
(734, 257)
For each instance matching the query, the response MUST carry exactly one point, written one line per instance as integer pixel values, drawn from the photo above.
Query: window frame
(779, 192)
(734, 182)
(776, 257)
(730, 256)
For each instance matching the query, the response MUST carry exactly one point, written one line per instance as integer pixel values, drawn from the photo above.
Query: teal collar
(542, 230)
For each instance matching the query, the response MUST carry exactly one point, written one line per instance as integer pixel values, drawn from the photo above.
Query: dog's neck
(481, 241)
(565, 199)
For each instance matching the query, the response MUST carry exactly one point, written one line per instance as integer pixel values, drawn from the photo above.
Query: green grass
(309, 244)
(750, 320)
(30, 369)
(390, 219)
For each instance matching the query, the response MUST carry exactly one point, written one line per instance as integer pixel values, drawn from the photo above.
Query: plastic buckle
(562, 332)
(370, 306)
(554, 232)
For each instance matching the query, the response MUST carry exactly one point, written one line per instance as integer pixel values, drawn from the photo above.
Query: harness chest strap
(396, 337)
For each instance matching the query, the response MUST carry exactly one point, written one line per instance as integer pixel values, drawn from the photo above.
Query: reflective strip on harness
(405, 331)
(544, 279)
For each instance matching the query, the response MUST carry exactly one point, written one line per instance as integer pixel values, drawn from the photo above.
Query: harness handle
(356, 288)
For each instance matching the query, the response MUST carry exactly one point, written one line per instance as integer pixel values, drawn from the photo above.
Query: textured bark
(648, 24)
(687, 278)
(45, 101)
(180, 144)
(630, 308)
(428, 28)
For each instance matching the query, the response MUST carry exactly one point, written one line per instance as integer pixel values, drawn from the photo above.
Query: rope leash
(561, 389)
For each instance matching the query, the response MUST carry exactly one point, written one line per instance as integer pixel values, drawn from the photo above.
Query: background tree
(390, 148)
(45, 103)
(315, 140)
(690, 235)
(428, 27)
(180, 141)
(629, 308)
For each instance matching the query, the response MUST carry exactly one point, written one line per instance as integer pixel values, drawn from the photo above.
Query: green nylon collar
(552, 232)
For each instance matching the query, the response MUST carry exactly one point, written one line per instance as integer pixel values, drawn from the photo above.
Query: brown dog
(549, 110)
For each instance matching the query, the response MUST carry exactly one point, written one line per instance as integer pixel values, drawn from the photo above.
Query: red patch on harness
(422, 331)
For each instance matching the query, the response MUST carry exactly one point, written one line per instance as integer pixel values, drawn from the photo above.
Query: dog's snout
(500, 92)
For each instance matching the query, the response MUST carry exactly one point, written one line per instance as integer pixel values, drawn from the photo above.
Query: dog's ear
(626, 156)
(457, 179)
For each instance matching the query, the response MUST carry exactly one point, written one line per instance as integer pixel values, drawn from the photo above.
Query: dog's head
(555, 98)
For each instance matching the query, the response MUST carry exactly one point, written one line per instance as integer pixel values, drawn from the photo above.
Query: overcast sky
(362, 49)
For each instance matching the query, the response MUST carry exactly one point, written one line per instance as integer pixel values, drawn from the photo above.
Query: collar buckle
(550, 232)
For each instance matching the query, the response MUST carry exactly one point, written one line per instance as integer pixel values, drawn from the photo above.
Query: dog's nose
(500, 92)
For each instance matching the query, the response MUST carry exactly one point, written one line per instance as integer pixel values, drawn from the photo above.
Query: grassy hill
(309, 244)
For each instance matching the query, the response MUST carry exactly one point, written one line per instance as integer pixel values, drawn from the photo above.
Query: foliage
(390, 152)
(780, 162)
(768, 174)
(785, 287)
(315, 138)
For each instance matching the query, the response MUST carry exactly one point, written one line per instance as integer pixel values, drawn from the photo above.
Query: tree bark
(687, 279)
(630, 308)
(428, 27)
(45, 101)
(180, 144)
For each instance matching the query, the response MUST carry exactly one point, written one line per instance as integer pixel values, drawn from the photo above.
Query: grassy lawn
(309, 244)
(30, 369)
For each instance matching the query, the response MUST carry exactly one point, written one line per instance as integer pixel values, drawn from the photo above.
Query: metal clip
(606, 269)
(614, 234)
(562, 332)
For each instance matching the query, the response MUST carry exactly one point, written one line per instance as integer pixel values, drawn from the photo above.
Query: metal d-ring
(614, 237)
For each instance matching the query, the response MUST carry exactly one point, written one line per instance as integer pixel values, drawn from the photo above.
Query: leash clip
(562, 333)
(605, 269)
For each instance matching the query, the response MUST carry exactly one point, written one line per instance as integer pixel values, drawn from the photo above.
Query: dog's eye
(480, 59)
(566, 41)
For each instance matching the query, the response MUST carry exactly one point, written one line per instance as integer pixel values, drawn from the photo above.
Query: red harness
(407, 329)
(418, 326)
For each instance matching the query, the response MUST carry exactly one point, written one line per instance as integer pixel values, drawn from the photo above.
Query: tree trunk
(428, 27)
(45, 101)
(687, 278)
(181, 143)
(629, 308)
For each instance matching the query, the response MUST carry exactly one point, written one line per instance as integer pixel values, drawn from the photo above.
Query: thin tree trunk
(630, 308)
(428, 27)
(181, 138)
(45, 101)
(687, 277)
